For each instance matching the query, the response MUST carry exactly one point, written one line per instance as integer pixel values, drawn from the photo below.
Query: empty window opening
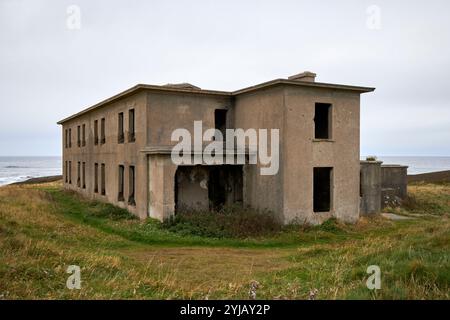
(79, 174)
(70, 138)
(96, 132)
(83, 175)
(120, 196)
(102, 131)
(322, 189)
(70, 172)
(103, 182)
(121, 135)
(220, 121)
(66, 138)
(131, 200)
(131, 126)
(83, 136)
(79, 136)
(65, 172)
(322, 121)
(96, 178)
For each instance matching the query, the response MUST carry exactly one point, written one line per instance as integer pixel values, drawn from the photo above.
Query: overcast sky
(50, 68)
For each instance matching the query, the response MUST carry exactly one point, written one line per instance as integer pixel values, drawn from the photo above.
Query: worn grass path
(44, 229)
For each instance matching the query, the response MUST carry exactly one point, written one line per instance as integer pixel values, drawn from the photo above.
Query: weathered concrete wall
(112, 154)
(262, 110)
(170, 111)
(370, 187)
(394, 182)
(302, 153)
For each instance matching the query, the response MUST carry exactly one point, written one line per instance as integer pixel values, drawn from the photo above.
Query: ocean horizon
(16, 169)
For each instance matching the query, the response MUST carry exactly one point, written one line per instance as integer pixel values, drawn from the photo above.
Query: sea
(16, 169)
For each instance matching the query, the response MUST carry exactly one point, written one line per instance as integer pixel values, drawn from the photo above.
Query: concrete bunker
(208, 187)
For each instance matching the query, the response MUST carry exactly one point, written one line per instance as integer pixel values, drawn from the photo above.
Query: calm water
(15, 169)
(419, 164)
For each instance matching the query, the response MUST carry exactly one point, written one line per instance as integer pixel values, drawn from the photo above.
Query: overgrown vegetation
(229, 222)
(43, 230)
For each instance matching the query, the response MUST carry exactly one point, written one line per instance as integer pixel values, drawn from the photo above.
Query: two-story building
(119, 150)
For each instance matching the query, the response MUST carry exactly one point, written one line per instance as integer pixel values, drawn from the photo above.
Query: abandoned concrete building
(119, 150)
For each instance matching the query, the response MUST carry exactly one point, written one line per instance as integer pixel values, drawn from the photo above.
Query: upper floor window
(66, 138)
(322, 121)
(96, 132)
(83, 136)
(79, 136)
(102, 131)
(131, 126)
(121, 135)
(70, 138)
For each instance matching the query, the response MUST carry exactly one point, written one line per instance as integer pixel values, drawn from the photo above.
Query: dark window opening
(65, 172)
(79, 174)
(220, 121)
(70, 172)
(121, 135)
(96, 178)
(322, 121)
(70, 138)
(96, 132)
(322, 189)
(83, 136)
(120, 196)
(131, 126)
(103, 176)
(83, 175)
(66, 138)
(102, 131)
(78, 136)
(131, 200)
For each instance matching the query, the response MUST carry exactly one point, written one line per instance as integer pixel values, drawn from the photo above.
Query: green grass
(44, 229)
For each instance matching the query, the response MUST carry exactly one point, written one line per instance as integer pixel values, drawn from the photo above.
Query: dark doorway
(208, 187)
(322, 121)
(322, 189)
(220, 120)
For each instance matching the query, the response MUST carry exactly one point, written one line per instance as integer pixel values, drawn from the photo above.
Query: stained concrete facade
(160, 187)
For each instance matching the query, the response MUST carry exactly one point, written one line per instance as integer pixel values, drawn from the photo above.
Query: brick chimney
(304, 76)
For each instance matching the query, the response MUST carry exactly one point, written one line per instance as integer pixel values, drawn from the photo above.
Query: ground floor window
(120, 196)
(103, 182)
(322, 189)
(131, 176)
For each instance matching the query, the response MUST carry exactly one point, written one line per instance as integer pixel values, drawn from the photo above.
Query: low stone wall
(394, 182)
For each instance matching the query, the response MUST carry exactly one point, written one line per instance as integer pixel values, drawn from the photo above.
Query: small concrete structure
(119, 150)
(394, 183)
(381, 186)
(370, 191)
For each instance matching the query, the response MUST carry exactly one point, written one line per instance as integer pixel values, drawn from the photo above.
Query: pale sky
(50, 69)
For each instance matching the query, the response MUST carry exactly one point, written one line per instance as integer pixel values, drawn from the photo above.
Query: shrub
(228, 222)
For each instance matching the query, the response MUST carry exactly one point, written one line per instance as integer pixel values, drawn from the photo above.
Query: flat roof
(165, 88)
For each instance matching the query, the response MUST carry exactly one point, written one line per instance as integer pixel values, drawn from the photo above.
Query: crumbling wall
(370, 187)
(394, 181)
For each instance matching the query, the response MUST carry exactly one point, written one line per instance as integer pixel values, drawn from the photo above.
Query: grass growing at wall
(44, 229)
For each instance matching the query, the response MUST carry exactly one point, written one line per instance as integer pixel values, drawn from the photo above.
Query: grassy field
(43, 230)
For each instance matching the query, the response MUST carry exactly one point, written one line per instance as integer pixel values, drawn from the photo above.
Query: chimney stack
(304, 76)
